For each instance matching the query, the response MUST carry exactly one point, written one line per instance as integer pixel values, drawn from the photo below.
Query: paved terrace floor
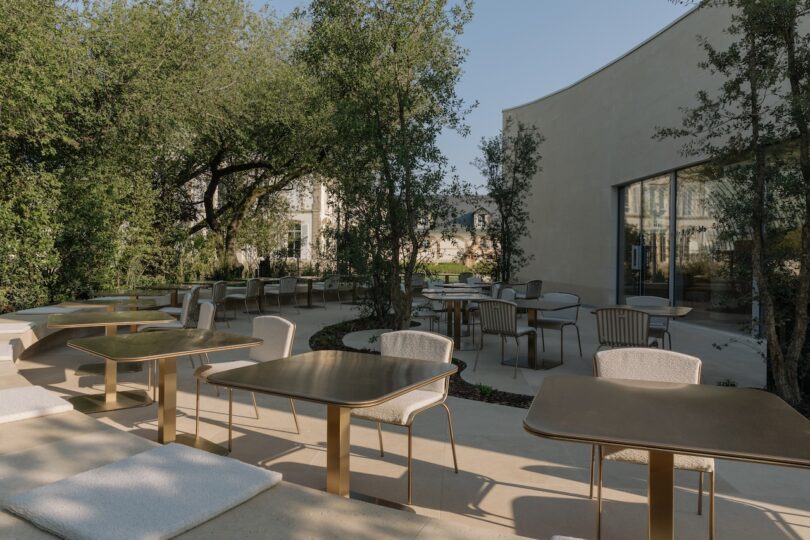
(508, 479)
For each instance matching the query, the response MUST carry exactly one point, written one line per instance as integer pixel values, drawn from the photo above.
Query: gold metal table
(532, 306)
(455, 309)
(111, 304)
(340, 380)
(309, 304)
(667, 419)
(110, 321)
(667, 312)
(164, 346)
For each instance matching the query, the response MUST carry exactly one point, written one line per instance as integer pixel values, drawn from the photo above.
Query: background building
(618, 213)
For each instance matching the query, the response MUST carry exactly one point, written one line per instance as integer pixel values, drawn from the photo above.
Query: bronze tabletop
(164, 346)
(112, 303)
(342, 381)
(669, 312)
(110, 320)
(669, 418)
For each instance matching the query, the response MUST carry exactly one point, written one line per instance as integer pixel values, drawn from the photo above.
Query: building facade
(619, 213)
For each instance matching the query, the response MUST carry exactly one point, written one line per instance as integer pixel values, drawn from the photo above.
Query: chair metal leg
(543, 339)
(191, 359)
(711, 505)
(452, 438)
(478, 353)
(517, 355)
(255, 407)
(593, 457)
(579, 341)
(700, 493)
(154, 381)
(599, 496)
(295, 417)
(503, 341)
(410, 463)
(230, 419)
(379, 435)
(197, 412)
(562, 358)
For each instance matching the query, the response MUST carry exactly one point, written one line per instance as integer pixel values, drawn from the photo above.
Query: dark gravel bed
(331, 338)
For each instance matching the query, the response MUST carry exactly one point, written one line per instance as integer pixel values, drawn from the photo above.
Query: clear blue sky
(520, 50)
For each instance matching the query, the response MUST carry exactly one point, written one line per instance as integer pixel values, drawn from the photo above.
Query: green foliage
(756, 129)
(389, 68)
(509, 162)
(445, 268)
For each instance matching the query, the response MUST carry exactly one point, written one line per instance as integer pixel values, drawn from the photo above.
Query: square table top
(670, 312)
(341, 378)
(107, 318)
(544, 305)
(731, 423)
(126, 301)
(456, 295)
(161, 344)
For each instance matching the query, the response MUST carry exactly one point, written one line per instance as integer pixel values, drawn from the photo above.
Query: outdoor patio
(508, 480)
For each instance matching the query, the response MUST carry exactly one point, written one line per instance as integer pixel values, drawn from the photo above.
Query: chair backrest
(254, 288)
(206, 319)
(508, 294)
(420, 346)
(645, 364)
(332, 282)
(218, 292)
(650, 301)
(286, 285)
(474, 280)
(418, 280)
(569, 314)
(184, 309)
(495, 290)
(620, 327)
(278, 335)
(464, 276)
(534, 288)
(498, 317)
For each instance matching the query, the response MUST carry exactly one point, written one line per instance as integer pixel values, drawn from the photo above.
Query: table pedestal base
(96, 403)
(201, 444)
(98, 369)
(661, 497)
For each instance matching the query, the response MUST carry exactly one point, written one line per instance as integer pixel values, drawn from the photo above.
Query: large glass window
(645, 238)
(294, 241)
(711, 267)
(711, 264)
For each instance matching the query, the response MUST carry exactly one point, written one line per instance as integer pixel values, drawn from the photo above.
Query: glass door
(645, 238)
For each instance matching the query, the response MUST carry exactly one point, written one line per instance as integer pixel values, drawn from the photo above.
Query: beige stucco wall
(598, 136)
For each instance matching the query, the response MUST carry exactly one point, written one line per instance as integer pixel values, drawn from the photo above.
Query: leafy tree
(756, 130)
(389, 68)
(509, 162)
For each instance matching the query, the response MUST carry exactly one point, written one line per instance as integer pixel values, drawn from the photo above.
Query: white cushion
(205, 371)
(153, 495)
(160, 326)
(645, 364)
(642, 457)
(398, 410)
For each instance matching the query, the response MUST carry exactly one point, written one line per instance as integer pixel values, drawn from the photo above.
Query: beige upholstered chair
(253, 292)
(402, 411)
(278, 335)
(533, 290)
(184, 321)
(286, 287)
(464, 276)
(559, 319)
(190, 314)
(621, 327)
(659, 326)
(646, 364)
(219, 293)
(499, 317)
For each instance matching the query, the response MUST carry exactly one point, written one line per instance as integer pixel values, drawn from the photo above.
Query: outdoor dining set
(637, 383)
